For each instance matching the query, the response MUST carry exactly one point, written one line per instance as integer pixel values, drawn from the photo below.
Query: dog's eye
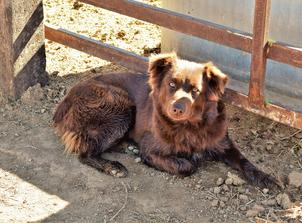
(195, 90)
(172, 85)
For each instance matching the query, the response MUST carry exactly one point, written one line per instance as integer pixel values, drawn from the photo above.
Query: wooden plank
(274, 112)
(97, 48)
(6, 51)
(285, 53)
(178, 22)
(259, 50)
(29, 29)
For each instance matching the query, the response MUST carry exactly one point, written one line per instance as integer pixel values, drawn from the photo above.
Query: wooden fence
(256, 44)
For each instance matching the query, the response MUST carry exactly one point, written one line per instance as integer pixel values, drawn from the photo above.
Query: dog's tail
(63, 122)
(61, 111)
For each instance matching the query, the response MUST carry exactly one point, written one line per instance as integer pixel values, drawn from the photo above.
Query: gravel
(295, 179)
(283, 200)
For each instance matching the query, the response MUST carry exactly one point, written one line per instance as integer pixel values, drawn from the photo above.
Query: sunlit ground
(21, 201)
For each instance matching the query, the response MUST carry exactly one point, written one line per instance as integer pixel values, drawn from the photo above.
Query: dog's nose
(178, 108)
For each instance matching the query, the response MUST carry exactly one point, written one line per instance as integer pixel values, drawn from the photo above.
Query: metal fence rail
(256, 44)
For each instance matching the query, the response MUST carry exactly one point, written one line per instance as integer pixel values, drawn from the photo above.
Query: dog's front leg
(171, 164)
(158, 155)
(229, 153)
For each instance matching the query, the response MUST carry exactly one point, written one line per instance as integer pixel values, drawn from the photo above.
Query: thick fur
(98, 113)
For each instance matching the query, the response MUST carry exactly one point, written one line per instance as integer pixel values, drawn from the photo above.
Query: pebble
(236, 180)
(243, 197)
(43, 110)
(216, 190)
(138, 160)
(221, 204)
(255, 210)
(224, 199)
(229, 181)
(197, 186)
(241, 190)
(242, 208)
(219, 182)
(270, 202)
(135, 151)
(214, 203)
(131, 148)
(295, 179)
(33, 94)
(265, 190)
(225, 187)
(283, 200)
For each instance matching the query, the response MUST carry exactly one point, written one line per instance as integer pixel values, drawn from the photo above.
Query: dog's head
(181, 88)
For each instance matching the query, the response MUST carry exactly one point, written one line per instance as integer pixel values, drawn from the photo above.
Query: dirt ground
(38, 183)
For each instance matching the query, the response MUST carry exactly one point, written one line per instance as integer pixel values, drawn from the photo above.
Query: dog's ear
(159, 65)
(215, 79)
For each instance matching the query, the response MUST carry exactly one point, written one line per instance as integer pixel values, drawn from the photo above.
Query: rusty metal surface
(96, 48)
(274, 112)
(285, 53)
(259, 49)
(178, 22)
(197, 27)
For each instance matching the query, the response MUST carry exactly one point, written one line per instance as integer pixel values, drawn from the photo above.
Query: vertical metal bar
(259, 53)
(6, 49)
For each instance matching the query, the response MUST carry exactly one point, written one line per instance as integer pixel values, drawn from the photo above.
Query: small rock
(283, 200)
(295, 179)
(43, 110)
(256, 209)
(216, 190)
(135, 151)
(270, 202)
(242, 208)
(121, 34)
(214, 203)
(241, 190)
(251, 213)
(131, 147)
(77, 5)
(197, 186)
(221, 204)
(237, 181)
(225, 187)
(138, 160)
(269, 147)
(33, 94)
(229, 181)
(243, 197)
(219, 182)
(265, 190)
(224, 199)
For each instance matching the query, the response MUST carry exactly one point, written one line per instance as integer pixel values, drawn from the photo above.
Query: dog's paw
(264, 180)
(116, 169)
(184, 167)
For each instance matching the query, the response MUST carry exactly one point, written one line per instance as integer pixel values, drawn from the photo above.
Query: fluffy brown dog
(175, 115)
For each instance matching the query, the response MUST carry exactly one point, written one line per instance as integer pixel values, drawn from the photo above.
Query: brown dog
(175, 115)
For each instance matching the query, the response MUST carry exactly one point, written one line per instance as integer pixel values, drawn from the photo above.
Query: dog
(174, 114)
